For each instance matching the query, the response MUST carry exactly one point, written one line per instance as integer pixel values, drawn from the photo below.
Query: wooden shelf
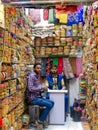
(33, 46)
(86, 126)
(51, 45)
(15, 106)
(8, 96)
(8, 79)
(96, 27)
(74, 37)
(16, 36)
(46, 56)
(2, 28)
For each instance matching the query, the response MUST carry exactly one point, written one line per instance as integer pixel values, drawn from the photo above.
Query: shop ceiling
(48, 3)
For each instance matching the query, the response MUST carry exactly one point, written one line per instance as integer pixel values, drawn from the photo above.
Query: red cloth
(0, 122)
(60, 65)
(65, 8)
(45, 14)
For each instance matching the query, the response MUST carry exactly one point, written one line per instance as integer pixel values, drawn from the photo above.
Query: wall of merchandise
(15, 56)
(89, 81)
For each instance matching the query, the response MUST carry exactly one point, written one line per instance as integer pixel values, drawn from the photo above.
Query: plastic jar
(63, 40)
(37, 41)
(37, 50)
(48, 50)
(60, 50)
(57, 41)
(42, 51)
(66, 50)
(62, 33)
(44, 41)
(54, 50)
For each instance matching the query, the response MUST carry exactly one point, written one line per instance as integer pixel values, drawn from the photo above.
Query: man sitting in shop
(55, 81)
(33, 94)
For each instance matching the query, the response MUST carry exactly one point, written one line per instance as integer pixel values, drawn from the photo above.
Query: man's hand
(44, 88)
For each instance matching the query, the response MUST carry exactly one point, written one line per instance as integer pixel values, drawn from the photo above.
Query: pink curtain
(79, 66)
(35, 15)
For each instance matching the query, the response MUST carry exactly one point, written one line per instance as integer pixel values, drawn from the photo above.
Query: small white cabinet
(57, 114)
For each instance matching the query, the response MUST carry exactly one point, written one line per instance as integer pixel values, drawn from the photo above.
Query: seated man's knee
(52, 104)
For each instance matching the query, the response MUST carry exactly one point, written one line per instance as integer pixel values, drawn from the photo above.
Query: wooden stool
(34, 112)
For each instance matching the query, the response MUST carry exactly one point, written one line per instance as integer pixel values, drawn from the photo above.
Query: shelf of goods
(65, 40)
(15, 56)
(83, 92)
(90, 67)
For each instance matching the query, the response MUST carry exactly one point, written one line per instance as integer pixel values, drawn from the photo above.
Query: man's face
(38, 69)
(54, 70)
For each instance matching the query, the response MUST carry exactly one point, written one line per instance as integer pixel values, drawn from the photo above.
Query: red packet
(0, 122)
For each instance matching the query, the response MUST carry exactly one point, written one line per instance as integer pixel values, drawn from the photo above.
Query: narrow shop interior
(60, 33)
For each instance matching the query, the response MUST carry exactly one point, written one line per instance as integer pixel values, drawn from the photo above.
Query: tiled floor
(69, 125)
